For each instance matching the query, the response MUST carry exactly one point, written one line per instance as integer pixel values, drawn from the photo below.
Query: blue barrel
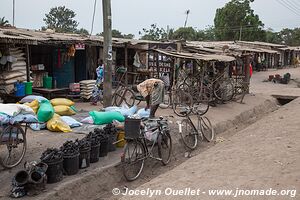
(19, 89)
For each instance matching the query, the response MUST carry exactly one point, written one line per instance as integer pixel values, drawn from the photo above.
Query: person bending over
(153, 91)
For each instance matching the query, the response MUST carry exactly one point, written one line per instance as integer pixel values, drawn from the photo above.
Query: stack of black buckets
(78, 154)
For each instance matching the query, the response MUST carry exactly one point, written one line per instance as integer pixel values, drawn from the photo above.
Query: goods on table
(86, 88)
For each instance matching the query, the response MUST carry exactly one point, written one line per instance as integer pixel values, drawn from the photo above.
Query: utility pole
(13, 12)
(241, 33)
(107, 53)
(186, 19)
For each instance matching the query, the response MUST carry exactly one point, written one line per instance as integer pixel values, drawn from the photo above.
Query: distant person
(153, 91)
(166, 79)
(98, 88)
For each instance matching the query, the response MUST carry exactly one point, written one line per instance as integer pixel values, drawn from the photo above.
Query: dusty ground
(264, 155)
(223, 117)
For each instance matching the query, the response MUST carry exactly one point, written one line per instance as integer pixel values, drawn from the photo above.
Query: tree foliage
(118, 34)
(4, 22)
(82, 31)
(61, 19)
(235, 15)
(154, 33)
(290, 36)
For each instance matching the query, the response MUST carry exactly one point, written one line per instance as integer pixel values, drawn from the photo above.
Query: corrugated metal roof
(197, 56)
(51, 37)
(261, 43)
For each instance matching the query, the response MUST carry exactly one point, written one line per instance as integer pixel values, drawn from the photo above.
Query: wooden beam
(27, 63)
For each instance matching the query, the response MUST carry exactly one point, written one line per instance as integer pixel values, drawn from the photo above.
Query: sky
(131, 16)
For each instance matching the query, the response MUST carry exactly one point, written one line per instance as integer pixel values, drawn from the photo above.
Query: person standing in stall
(97, 93)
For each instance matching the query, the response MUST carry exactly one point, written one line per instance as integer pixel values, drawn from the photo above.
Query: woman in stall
(98, 88)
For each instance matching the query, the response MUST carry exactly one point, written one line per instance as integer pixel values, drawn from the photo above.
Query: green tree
(82, 31)
(235, 15)
(61, 19)
(272, 37)
(290, 36)
(154, 33)
(118, 34)
(185, 33)
(4, 22)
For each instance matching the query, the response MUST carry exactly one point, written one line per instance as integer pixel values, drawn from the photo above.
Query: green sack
(106, 117)
(46, 111)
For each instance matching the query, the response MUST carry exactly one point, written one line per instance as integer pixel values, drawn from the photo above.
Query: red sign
(80, 46)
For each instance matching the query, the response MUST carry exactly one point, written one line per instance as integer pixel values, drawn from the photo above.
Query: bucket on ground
(71, 164)
(103, 151)
(111, 140)
(84, 158)
(19, 89)
(94, 156)
(121, 139)
(54, 171)
(28, 88)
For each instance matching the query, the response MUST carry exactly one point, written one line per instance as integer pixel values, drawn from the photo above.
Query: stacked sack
(86, 88)
(46, 113)
(63, 107)
(14, 72)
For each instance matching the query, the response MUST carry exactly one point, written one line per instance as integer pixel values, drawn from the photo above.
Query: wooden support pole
(107, 53)
(27, 63)
(126, 63)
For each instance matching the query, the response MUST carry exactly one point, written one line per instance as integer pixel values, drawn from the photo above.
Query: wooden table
(49, 93)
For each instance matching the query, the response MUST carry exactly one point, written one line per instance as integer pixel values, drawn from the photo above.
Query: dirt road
(264, 155)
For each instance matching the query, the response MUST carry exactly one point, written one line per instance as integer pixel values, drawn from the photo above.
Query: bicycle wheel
(207, 129)
(200, 108)
(124, 95)
(189, 134)
(164, 141)
(182, 103)
(12, 146)
(133, 159)
(224, 90)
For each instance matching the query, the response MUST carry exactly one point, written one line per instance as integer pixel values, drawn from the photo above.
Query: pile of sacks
(16, 113)
(86, 88)
(52, 114)
(114, 113)
(13, 70)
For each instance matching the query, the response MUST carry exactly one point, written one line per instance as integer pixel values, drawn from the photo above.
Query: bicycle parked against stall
(13, 145)
(138, 148)
(191, 134)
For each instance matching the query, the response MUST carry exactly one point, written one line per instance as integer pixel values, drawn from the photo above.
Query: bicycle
(137, 149)
(190, 134)
(12, 136)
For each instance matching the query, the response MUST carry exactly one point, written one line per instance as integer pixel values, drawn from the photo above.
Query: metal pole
(107, 53)
(13, 12)
(27, 63)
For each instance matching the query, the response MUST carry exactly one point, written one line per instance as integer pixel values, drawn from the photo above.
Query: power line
(288, 7)
(296, 3)
(95, 3)
(292, 5)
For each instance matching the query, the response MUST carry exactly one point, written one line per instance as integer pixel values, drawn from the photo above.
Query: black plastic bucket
(103, 151)
(54, 171)
(111, 145)
(94, 156)
(71, 164)
(84, 158)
